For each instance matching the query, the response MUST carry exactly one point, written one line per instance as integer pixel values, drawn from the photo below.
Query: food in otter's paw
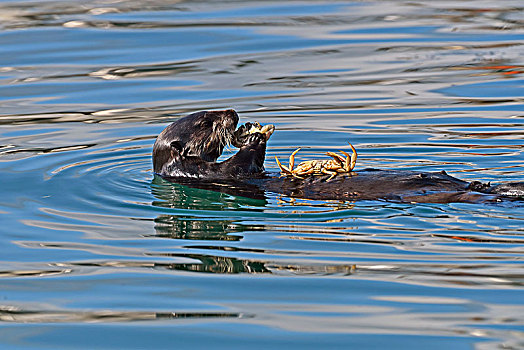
(266, 129)
(241, 134)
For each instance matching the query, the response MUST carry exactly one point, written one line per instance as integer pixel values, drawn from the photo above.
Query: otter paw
(243, 130)
(242, 134)
(255, 139)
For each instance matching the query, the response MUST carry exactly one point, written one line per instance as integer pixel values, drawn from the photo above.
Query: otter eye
(206, 123)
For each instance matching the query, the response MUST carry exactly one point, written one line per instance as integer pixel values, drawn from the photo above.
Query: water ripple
(95, 248)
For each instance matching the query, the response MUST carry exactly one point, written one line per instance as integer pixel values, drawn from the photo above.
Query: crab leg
(332, 173)
(354, 156)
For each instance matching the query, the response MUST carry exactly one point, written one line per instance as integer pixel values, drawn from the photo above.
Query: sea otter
(189, 147)
(187, 151)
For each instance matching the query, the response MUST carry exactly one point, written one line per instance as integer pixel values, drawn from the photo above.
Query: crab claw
(283, 168)
(350, 161)
(337, 157)
(292, 159)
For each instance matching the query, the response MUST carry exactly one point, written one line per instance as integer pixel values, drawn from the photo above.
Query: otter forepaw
(244, 129)
(255, 139)
(241, 136)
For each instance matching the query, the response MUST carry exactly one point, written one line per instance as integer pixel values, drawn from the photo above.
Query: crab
(338, 165)
(240, 136)
(266, 129)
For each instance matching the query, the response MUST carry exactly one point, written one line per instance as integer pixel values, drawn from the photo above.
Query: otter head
(202, 134)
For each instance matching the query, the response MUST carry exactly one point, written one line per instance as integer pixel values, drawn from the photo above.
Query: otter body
(187, 150)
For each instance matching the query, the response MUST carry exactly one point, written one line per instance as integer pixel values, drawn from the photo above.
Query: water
(96, 253)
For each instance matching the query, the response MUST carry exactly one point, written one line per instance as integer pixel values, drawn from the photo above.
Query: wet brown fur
(187, 150)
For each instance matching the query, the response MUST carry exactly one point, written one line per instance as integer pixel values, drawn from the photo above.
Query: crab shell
(316, 167)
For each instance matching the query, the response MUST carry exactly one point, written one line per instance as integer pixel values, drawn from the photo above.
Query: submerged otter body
(187, 150)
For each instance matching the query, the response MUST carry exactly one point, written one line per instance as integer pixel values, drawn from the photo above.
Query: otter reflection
(206, 195)
(218, 264)
(218, 224)
(190, 226)
(187, 227)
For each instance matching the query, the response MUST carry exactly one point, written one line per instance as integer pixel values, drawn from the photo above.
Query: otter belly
(372, 184)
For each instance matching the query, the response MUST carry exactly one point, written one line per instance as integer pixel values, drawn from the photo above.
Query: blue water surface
(97, 253)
